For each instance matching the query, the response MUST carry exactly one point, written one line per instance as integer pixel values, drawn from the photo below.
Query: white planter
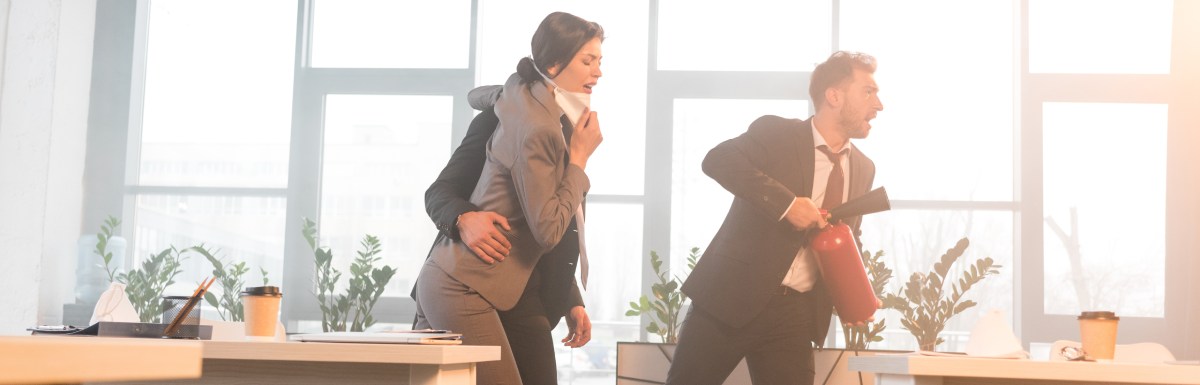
(640, 363)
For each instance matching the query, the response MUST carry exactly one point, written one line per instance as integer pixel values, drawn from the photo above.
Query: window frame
(1039, 88)
(312, 85)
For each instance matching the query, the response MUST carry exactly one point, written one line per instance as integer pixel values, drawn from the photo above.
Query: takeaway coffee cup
(1098, 332)
(261, 306)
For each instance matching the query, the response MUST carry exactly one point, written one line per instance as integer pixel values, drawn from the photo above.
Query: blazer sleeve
(448, 196)
(739, 166)
(558, 306)
(576, 297)
(548, 194)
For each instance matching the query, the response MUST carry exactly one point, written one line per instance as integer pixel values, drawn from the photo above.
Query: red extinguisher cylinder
(843, 273)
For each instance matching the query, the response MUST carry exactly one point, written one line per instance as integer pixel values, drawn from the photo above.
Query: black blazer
(447, 198)
(765, 168)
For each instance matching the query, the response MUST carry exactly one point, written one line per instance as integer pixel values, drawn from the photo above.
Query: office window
(218, 101)
(235, 228)
(1106, 37)
(380, 149)
(1105, 207)
(946, 131)
(753, 35)
(211, 158)
(698, 203)
(391, 34)
(944, 142)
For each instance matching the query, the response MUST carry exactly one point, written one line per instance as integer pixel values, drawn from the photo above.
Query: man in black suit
(756, 292)
(551, 292)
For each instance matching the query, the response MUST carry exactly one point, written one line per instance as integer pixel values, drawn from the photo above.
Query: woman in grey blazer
(533, 175)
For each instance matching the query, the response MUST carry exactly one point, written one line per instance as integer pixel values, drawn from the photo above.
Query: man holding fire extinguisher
(757, 292)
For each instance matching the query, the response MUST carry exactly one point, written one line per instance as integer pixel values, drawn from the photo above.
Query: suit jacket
(526, 178)
(765, 168)
(446, 199)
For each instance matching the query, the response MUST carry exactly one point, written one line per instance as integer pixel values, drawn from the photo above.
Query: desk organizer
(189, 323)
(140, 330)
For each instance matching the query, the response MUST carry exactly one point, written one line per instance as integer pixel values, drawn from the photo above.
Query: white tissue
(993, 337)
(114, 306)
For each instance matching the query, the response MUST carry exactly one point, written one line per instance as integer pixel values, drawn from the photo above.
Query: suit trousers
(446, 303)
(776, 344)
(528, 329)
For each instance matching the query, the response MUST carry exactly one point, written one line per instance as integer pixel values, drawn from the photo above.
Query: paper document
(397, 337)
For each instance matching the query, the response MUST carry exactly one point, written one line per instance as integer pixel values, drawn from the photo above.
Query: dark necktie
(567, 129)
(577, 221)
(837, 180)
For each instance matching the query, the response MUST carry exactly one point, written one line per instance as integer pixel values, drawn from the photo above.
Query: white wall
(44, 89)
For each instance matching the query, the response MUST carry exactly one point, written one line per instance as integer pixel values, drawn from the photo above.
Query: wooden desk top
(349, 352)
(917, 365)
(57, 359)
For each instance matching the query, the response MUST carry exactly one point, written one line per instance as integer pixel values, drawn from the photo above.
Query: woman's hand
(579, 328)
(585, 138)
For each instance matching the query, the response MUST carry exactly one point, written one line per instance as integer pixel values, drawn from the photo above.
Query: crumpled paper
(114, 306)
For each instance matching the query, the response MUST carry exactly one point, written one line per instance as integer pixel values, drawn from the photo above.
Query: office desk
(53, 359)
(237, 362)
(911, 369)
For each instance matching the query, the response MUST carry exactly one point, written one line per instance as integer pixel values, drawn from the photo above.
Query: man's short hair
(835, 70)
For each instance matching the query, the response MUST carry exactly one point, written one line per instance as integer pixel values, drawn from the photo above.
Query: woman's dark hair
(557, 40)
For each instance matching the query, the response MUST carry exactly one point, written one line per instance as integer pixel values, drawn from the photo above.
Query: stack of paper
(435, 337)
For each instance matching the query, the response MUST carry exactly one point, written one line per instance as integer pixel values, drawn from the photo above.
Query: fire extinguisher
(839, 260)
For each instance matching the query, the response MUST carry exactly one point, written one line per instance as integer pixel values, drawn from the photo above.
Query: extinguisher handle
(827, 217)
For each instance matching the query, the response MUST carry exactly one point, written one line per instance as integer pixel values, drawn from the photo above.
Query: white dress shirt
(802, 275)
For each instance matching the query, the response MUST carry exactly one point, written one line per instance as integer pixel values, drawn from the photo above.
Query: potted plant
(860, 337)
(351, 310)
(145, 286)
(668, 301)
(229, 277)
(930, 299)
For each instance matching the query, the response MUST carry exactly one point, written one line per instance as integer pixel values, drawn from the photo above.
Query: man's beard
(854, 125)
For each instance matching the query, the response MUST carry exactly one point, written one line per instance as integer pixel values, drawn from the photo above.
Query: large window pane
(218, 96)
(946, 131)
(238, 228)
(506, 28)
(750, 35)
(614, 233)
(913, 240)
(1105, 207)
(698, 203)
(1117, 37)
(381, 153)
(391, 33)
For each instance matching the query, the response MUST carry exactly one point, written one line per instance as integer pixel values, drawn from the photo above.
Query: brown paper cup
(261, 307)
(1098, 333)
